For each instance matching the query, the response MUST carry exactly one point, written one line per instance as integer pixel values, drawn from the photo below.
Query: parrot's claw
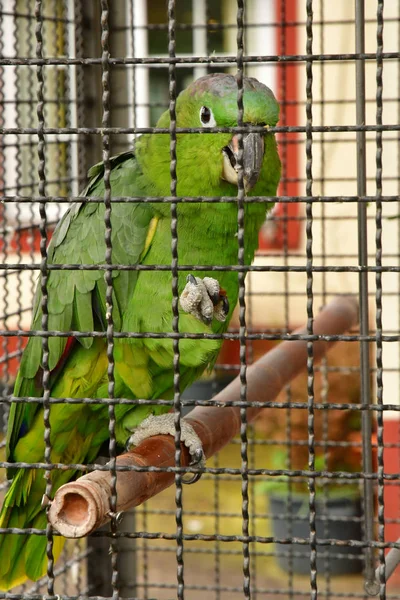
(199, 461)
(164, 425)
(204, 299)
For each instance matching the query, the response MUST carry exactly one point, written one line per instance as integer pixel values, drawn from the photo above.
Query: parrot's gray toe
(204, 299)
(165, 425)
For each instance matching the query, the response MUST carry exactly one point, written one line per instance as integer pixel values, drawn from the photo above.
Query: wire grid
(224, 549)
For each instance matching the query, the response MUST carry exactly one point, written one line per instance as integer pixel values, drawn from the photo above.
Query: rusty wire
(34, 140)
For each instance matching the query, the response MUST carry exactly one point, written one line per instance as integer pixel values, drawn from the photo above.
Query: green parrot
(142, 300)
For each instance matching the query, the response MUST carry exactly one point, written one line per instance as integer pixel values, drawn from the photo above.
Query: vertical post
(363, 297)
(199, 17)
(91, 113)
(141, 50)
(81, 91)
(130, 69)
(119, 75)
(127, 558)
(73, 99)
(99, 571)
(261, 39)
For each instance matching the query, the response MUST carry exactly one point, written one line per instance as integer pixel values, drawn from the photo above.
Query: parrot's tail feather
(23, 556)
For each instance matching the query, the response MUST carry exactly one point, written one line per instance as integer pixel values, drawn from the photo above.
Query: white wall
(340, 236)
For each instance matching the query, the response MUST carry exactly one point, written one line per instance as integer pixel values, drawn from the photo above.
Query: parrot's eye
(206, 117)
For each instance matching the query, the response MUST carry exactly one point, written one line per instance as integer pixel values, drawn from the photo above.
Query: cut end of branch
(76, 509)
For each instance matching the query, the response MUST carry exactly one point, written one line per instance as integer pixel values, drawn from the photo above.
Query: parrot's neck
(204, 225)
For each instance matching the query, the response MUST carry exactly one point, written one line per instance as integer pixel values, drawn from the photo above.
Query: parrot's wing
(76, 298)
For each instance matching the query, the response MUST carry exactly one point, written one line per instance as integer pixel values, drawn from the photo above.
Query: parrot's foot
(164, 425)
(204, 299)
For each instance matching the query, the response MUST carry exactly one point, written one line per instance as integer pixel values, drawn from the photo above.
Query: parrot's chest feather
(207, 237)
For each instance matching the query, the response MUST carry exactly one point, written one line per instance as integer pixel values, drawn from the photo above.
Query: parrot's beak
(253, 154)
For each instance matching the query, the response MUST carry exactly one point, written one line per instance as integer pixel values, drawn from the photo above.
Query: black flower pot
(337, 517)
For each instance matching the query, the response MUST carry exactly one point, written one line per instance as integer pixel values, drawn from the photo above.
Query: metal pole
(370, 582)
(392, 560)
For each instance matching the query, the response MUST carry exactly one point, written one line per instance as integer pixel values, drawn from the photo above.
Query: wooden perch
(81, 506)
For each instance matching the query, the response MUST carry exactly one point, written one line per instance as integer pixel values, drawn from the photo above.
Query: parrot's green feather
(83, 316)
(31, 358)
(142, 300)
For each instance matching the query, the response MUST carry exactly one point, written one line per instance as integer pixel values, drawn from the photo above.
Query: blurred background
(276, 296)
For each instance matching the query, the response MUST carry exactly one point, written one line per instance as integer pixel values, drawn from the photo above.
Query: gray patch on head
(221, 84)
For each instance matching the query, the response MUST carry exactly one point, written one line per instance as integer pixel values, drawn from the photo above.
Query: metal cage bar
(80, 80)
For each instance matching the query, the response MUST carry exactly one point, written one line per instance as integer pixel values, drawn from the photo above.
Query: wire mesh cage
(302, 498)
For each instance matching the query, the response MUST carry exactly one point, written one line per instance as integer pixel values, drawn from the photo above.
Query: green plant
(284, 485)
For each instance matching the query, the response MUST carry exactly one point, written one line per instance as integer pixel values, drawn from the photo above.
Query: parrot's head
(209, 163)
(211, 101)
